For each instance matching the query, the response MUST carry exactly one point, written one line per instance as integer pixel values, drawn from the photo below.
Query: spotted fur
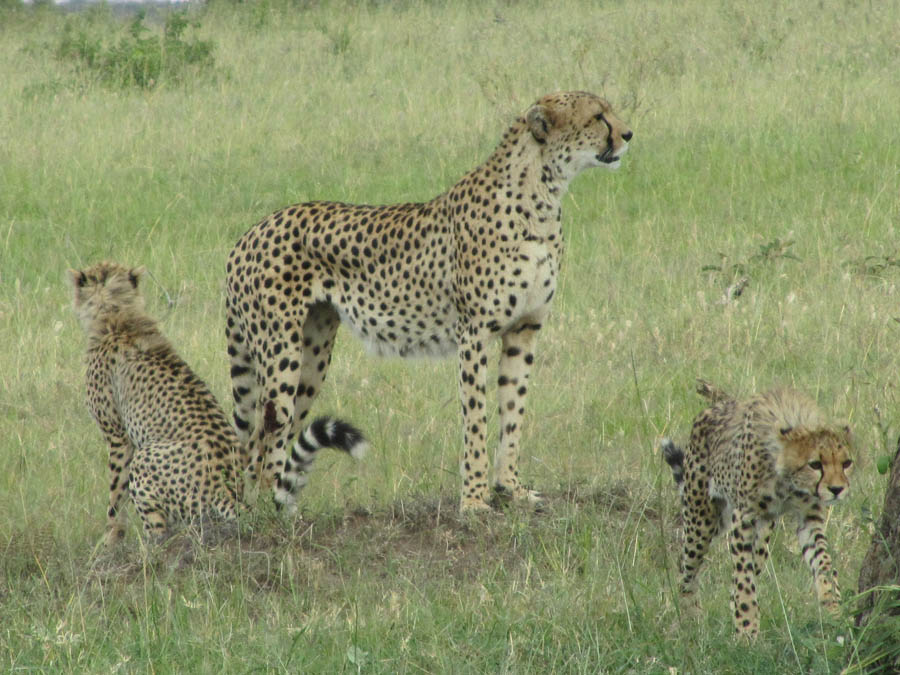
(748, 463)
(477, 263)
(171, 447)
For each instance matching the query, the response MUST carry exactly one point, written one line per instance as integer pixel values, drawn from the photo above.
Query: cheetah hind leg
(319, 330)
(149, 488)
(702, 523)
(320, 326)
(745, 551)
(245, 395)
(152, 513)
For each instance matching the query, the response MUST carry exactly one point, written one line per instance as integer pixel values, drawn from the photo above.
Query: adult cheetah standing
(477, 262)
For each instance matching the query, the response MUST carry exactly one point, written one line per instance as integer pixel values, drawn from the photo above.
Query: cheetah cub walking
(748, 463)
(171, 447)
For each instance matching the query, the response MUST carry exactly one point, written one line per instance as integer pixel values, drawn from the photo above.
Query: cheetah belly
(410, 334)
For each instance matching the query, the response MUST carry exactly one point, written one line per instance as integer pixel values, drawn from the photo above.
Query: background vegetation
(765, 148)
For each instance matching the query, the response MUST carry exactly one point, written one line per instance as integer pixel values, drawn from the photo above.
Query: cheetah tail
(328, 432)
(674, 457)
(324, 432)
(712, 392)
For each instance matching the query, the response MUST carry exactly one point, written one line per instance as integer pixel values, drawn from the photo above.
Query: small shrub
(78, 46)
(768, 253)
(9, 7)
(141, 58)
(873, 265)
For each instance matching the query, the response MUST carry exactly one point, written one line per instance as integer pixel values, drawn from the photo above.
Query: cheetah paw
(503, 496)
(113, 536)
(473, 505)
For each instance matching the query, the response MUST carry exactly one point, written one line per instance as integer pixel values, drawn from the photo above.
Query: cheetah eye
(815, 465)
(847, 463)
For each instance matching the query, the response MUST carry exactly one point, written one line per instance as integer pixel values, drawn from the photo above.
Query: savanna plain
(765, 149)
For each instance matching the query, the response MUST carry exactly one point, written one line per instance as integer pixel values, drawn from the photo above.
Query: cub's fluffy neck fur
(128, 325)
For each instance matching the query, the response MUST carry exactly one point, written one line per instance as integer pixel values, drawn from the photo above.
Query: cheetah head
(818, 461)
(577, 131)
(104, 288)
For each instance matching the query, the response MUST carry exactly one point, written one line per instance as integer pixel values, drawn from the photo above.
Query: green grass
(753, 125)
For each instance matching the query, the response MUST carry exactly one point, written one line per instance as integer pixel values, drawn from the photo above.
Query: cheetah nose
(836, 489)
(627, 135)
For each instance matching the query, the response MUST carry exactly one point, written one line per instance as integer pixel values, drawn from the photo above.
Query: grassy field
(765, 147)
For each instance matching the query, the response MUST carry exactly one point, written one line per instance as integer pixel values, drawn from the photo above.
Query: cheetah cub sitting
(748, 463)
(171, 447)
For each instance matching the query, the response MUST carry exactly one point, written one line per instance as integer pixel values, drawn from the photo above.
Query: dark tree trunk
(881, 566)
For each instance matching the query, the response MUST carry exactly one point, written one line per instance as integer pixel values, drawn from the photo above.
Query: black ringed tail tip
(674, 457)
(323, 432)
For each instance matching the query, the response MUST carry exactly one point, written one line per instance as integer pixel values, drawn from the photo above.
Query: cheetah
(171, 447)
(478, 262)
(748, 463)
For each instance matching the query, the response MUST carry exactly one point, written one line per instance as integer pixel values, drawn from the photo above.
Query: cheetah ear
(77, 280)
(540, 121)
(76, 277)
(135, 274)
(793, 433)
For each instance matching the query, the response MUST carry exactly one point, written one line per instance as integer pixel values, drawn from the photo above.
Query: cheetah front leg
(764, 528)
(474, 465)
(148, 488)
(814, 545)
(516, 360)
(121, 452)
